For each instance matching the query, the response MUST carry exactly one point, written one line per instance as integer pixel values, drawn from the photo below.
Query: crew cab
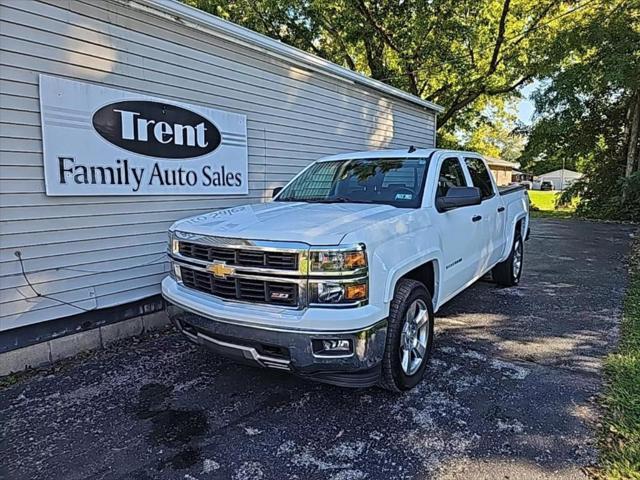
(339, 276)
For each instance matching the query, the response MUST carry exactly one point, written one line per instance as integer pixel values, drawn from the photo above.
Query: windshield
(392, 181)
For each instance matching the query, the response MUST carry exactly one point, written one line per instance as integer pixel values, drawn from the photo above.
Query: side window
(451, 175)
(480, 177)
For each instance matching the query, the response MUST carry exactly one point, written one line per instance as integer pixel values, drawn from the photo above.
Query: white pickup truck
(338, 278)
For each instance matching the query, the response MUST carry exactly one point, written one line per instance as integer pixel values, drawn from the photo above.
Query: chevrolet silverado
(338, 278)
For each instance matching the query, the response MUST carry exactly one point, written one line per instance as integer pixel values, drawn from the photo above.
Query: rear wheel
(508, 273)
(409, 337)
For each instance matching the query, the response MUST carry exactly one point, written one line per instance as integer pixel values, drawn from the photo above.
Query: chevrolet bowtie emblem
(220, 270)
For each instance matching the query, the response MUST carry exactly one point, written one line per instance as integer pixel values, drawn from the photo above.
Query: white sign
(103, 141)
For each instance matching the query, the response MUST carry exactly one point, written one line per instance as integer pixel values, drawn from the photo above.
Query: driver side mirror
(276, 191)
(459, 197)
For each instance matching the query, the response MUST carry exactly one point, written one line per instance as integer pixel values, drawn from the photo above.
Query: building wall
(557, 178)
(501, 174)
(88, 253)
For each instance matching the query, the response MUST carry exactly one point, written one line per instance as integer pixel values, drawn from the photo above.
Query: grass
(543, 205)
(543, 200)
(620, 433)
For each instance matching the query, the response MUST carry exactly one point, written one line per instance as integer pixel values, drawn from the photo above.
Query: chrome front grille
(244, 289)
(240, 257)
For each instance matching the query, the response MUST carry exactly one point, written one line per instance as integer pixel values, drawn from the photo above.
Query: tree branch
(433, 96)
(502, 26)
(464, 100)
(509, 88)
(387, 40)
(386, 37)
(413, 82)
(373, 51)
(336, 36)
(457, 106)
(275, 33)
(534, 25)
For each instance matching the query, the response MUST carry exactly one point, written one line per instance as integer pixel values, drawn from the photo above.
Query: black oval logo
(156, 129)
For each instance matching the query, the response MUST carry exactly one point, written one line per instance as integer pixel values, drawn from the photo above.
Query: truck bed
(507, 189)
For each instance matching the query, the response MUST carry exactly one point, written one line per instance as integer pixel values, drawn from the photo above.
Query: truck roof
(398, 153)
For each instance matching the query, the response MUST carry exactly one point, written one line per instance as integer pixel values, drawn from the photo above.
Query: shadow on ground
(507, 394)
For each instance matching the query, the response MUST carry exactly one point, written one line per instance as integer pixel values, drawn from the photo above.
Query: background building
(502, 170)
(561, 179)
(74, 263)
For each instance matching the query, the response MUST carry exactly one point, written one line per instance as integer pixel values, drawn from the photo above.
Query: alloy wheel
(517, 258)
(414, 337)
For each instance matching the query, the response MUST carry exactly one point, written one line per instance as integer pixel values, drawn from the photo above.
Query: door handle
(500, 209)
(477, 218)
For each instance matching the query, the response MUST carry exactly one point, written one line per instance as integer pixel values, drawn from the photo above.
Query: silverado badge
(220, 270)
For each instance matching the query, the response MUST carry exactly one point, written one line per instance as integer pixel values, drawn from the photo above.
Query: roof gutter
(195, 18)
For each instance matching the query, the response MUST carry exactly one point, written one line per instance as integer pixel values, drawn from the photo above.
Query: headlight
(331, 267)
(339, 291)
(173, 246)
(175, 272)
(337, 260)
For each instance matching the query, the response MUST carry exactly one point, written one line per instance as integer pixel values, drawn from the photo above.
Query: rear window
(480, 176)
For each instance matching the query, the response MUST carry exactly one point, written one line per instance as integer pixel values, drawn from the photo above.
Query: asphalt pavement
(509, 393)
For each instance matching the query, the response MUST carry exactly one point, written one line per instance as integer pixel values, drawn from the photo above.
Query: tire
(508, 273)
(400, 368)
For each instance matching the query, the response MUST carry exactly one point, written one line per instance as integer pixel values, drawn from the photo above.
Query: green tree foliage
(493, 132)
(589, 111)
(468, 55)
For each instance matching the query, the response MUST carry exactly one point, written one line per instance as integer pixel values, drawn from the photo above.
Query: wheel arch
(519, 222)
(425, 269)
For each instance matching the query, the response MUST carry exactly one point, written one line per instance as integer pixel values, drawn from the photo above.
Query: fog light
(336, 345)
(329, 347)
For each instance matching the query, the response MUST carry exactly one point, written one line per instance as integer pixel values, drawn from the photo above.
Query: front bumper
(288, 350)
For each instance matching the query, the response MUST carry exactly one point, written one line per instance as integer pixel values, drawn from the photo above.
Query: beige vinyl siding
(96, 252)
(501, 174)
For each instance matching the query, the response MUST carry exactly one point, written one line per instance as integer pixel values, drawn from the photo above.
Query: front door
(463, 238)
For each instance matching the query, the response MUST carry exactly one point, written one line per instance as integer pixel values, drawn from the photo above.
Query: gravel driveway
(508, 393)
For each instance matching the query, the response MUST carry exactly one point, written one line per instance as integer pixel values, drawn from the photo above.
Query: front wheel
(409, 337)
(508, 273)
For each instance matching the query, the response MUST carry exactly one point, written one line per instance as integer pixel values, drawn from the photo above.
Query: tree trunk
(633, 152)
(374, 50)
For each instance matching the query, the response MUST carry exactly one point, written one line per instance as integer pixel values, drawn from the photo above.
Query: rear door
(492, 213)
(462, 238)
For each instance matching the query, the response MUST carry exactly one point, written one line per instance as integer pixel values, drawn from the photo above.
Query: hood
(312, 223)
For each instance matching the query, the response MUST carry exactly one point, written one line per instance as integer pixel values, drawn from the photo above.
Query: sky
(526, 106)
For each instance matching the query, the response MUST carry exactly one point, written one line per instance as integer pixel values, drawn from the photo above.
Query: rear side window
(451, 175)
(480, 176)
